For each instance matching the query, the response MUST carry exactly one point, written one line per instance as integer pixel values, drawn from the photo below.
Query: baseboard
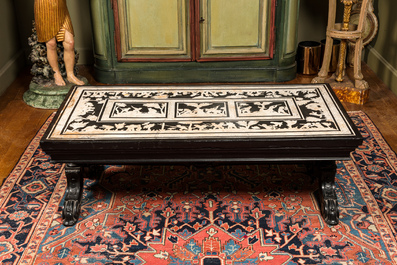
(383, 69)
(10, 71)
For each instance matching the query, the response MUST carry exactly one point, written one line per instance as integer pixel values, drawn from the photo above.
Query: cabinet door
(152, 30)
(236, 29)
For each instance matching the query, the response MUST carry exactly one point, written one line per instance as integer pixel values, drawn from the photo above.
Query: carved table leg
(326, 170)
(74, 191)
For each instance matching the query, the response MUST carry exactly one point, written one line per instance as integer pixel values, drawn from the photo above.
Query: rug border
(391, 154)
(23, 161)
(379, 220)
(373, 207)
(44, 223)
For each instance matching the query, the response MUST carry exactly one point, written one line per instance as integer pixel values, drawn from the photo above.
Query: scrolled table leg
(328, 199)
(74, 191)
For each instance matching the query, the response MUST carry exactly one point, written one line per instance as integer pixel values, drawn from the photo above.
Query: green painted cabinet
(185, 41)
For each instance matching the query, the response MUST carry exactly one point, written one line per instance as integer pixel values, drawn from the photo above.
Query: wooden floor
(19, 123)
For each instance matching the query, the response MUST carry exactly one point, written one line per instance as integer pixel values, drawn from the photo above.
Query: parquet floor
(20, 122)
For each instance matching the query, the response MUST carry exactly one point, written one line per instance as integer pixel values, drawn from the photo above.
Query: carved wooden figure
(53, 24)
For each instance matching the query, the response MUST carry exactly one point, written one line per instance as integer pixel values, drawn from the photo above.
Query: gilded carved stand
(356, 90)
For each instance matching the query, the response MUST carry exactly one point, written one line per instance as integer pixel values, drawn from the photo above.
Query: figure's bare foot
(73, 79)
(58, 79)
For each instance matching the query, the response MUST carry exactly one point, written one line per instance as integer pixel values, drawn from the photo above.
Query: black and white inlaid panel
(171, 112)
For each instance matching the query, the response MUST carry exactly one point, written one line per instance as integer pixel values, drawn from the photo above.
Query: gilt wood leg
(326, 171)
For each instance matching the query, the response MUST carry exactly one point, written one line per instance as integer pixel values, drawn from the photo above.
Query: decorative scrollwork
(74, 191)
(326, 170)
(71, 212)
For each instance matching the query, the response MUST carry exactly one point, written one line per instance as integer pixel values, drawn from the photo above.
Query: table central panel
(134, 110)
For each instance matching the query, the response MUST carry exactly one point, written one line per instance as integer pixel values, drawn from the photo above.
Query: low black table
(102, 125)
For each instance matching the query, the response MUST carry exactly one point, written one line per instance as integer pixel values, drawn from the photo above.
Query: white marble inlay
(248, 111)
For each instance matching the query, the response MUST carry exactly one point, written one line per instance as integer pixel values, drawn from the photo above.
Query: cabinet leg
(326, 170)
(74, 191)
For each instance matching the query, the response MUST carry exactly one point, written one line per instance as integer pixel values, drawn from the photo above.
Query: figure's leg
(69, 58)
(73, 194)
(326, 170)
(52, 57)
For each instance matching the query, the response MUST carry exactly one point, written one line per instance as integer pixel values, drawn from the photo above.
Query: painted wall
(381, 54)
(16, 22)
(313, 16)
(11, 53)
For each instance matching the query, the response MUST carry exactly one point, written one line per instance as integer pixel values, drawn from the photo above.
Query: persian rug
(203, 214)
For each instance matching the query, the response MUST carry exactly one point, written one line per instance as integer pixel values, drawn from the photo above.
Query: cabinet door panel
(153, 29)
(233, 29)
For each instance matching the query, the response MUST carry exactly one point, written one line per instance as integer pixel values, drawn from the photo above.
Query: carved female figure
(53, 24)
